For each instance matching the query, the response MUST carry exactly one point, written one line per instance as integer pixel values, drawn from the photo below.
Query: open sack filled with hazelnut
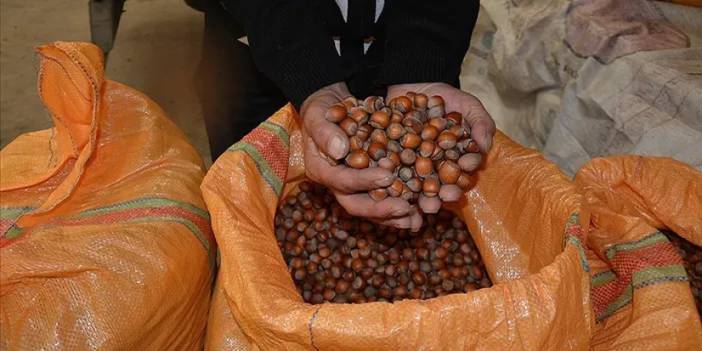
(553, 253)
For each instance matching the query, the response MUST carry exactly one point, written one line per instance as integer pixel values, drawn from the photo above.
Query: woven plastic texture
(104, 240)
(531, 225)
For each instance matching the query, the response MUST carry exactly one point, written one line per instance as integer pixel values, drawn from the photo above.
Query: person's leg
(235, 97)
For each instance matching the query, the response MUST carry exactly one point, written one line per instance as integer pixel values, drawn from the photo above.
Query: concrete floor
(156, 51)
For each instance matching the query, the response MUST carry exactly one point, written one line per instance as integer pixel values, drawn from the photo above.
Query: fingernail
(337, 147)
(386, 181)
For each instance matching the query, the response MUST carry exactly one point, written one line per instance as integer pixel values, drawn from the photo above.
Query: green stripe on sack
(190, 225)
(261, 164)
(654, 275)
(279, 131)
(143, 203)
(643, 278)
(602, 278)
(9, 213)
(648, 240)
(621, 301)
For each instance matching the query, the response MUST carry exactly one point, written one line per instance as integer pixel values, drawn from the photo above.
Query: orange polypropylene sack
(640, 292)
(529, 222)
(105, 242)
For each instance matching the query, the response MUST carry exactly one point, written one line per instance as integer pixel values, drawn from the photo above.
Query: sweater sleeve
(426, 41)
(290, 44)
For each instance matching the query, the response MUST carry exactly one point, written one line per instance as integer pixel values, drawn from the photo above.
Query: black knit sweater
(413, 41)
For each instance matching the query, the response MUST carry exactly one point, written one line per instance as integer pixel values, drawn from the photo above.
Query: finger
(450, 193)
(342, 178)
(470, 162)
(400, 223)
(415, 219)
(429, 205)
(330, 139)
(482, 127)
(362, 205)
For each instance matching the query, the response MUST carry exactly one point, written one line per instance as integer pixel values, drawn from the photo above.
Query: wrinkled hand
(325, 141)
(475, 117)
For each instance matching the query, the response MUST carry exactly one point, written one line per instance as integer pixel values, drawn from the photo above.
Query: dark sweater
(413, 41)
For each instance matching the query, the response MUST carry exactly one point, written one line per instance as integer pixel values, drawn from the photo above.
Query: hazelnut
(349, 126)
(452, 154)
(364, 132)
(426, 148)
(378, 194)
(463, 181)
(395, 131)
(407, 194)
(406, 173)
(412, 125)
(358, 159)
(429, 132)
(449, 172)
(394, 146)
(423, 166)
(350, 102)
(454, 118)
(420, 101)
(401, 103)
(379, 136)
(379, 119)
(373, 103)
(438, 123)
(446, 140)
(431, 186)
(458, 131)
(395, 189)
(436, 107)
(410, 141)
(418, 115)
(407, 157)
(393, 156)
(470, 162)
(438, 154)
(414, 184)
(355, 143)
(396, 117)
(336, 113)
(376, 151)
(359, 115)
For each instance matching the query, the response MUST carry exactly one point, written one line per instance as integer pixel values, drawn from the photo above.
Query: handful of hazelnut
(430, 151)
(335, 257)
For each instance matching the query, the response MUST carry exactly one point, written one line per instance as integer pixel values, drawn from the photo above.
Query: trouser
(234, 95)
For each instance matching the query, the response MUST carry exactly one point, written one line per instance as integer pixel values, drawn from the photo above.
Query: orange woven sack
(529, 223)
(639, 289)
(105, 243)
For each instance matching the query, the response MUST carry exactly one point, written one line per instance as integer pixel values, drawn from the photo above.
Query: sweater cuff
(420, 65)
(303, 73)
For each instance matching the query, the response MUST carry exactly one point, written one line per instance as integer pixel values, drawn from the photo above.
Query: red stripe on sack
(273, 149)
(124, 215)
(5, 225)
(625, 264)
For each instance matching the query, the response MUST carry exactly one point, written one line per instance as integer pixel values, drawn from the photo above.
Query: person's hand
(324, 142)
(475, 117)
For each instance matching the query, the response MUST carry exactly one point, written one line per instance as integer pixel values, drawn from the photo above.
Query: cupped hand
(475, 117)
(325, 144)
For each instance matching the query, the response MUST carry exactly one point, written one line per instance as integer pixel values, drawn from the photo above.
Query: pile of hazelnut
(692, 259)
(334, 257)
(430, 151)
